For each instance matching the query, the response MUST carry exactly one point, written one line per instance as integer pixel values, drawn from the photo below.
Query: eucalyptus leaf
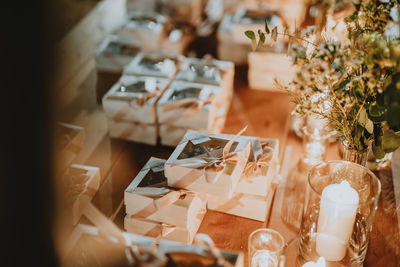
(390, 141)
(250, 35)
(261, 39)
(266, 27)
(274, 34)
(378, 151)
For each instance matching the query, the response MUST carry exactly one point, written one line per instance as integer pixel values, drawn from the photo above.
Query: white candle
(336, 220)
(320, 263)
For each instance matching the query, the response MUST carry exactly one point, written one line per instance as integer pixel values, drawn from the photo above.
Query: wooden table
(267, 115)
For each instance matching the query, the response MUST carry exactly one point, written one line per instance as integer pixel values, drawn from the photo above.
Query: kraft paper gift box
(134, 98)
(111, 58)
(251, 197)
(171, 135)
(144, 30)
(133, 131)
(208, 163)
(208, 71)
(190, 105)
(188, 11)
(265, 67)
(163, 231)
(70, 143)
(149, 197)
(243, 205)
(80, 183)
(260, 168)
(113, 55)
(152, 64)
(87, 245)
(177, 40)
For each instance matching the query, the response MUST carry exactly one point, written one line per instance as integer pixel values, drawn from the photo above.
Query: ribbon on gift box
(212, 167)
(263, 157)
(167, 199)
(190, 105)
(139, 100)
(205, 240)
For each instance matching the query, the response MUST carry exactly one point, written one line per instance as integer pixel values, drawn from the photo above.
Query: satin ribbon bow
(214, 166)
(168, 199)
(263, 160)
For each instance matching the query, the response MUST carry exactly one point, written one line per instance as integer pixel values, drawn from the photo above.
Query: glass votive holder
(315, 143)
(340, 205)
(266, 248)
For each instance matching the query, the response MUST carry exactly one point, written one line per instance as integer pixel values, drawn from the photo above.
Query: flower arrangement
(354, 85)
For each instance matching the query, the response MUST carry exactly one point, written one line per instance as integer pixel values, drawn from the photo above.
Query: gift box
(133, 98)
(208, 163)
(265, 67)
(253, 192)
(144, 30)
(133, 131)
(148, 197)
(178, 38)
(164, 231)
(70, 143)
(188, 11)
(261, 167)
(208, 71)
(87, 246)
(113, 55)
(152, 64)
(80, 184)
(190, 105)
(243, 205)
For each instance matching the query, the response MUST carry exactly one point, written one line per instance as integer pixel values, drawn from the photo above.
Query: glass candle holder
(315, 143)
(341, 201)
(266, 248)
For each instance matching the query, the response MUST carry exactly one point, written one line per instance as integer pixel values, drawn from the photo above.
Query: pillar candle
(337, 214)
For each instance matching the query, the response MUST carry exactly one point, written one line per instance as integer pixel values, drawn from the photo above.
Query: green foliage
(355, 86)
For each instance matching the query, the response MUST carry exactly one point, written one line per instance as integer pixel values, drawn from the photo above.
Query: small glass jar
(266, 247)
(341, 201)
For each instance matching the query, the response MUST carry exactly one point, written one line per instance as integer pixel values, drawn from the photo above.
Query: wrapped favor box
(133, 98)
(178, 38)
(188, 11)
(148, 197)
(144, 30)
(261, 167)
(190, 105)
(208, 71)
(111, 58)
(265, 67)
(164, 231)
(70, 143)
(133, 131)
(244, 205)
(152, 64)
(199, 164)
(251, 198)
(87, 246)
(80, 185)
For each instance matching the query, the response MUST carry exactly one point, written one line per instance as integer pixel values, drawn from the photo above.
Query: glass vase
(340, 205)
(353, 155)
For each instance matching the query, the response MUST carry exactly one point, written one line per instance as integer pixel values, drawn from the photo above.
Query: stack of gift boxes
(143, 31)
(79, 182)
(226, 173)
(162, 97)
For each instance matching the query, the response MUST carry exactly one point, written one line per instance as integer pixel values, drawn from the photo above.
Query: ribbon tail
(228, 145)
